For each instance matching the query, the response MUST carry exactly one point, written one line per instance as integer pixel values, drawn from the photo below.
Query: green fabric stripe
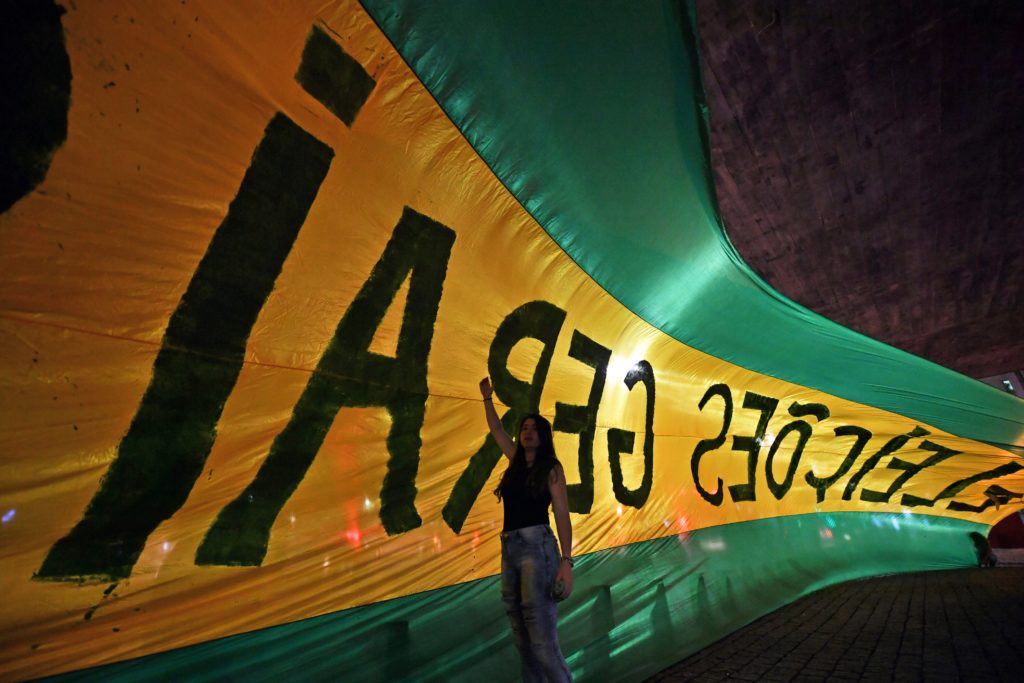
(635, 609)
(593, 116)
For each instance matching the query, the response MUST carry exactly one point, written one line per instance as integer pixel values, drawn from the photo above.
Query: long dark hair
(544, 459)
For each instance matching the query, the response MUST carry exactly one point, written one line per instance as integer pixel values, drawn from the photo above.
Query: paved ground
(959, 625)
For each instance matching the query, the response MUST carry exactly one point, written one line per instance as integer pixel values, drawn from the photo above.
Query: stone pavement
(955, 625)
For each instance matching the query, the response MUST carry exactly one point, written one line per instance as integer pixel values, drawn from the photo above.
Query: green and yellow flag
(254, 260)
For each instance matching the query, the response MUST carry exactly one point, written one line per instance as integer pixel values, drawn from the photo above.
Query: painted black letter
(823, 484)
(705, 445)
(803, 428)
(910, 469)
(621, 441)
(161, 456)
(893, 445)
(534, 320)
(350, 375)
(582, 420)
(958, 486)
(752, 444)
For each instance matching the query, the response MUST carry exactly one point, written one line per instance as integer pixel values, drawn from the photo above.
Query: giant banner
(245, 302)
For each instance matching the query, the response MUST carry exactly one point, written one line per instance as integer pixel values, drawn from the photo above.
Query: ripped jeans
(529, 564)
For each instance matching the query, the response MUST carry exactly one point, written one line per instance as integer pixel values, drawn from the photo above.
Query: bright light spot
(713, 544)
(166, 546)
(826, 533)
(367, 503)
(9, 515)
(618, 510)
(665, 523)
(293, 519)
(354, 537)
(684, 523)
(327, 563)
(768, 440)
(619, 366)
(895, 524)
(847, 537)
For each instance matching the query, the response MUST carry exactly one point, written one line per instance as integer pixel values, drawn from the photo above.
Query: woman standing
(534, 576)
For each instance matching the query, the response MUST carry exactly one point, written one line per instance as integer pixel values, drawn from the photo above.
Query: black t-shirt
(522, 507)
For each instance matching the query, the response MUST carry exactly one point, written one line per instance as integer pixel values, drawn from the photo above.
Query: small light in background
(620, 366)
(9, 515)
(713, 544)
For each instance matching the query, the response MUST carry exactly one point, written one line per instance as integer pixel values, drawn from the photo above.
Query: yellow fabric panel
(168, 103)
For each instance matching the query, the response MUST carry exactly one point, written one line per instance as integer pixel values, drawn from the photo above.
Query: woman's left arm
(560, 503)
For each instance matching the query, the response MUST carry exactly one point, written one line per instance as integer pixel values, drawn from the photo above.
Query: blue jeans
(529, 564)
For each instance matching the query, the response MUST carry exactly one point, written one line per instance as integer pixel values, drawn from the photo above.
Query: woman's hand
(560, 502)
(501, 437)
(565, 576)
